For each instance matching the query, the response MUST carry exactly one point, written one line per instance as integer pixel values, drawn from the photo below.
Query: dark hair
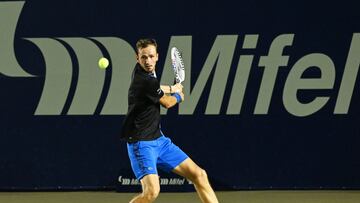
(143, 43)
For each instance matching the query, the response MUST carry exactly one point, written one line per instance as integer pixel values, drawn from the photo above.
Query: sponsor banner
(168, 183)
(271, 92)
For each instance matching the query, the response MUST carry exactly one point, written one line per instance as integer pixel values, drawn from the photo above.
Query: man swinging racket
(148, 148)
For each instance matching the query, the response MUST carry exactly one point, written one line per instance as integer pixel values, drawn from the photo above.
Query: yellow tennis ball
(103, 63)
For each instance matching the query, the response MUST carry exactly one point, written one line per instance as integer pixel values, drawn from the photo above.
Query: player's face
(147, 58)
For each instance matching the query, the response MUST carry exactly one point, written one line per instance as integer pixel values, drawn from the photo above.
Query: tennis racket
(177, 65)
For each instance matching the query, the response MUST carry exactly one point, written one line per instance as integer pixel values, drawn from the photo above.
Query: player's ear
(137, 57)
(157, 56)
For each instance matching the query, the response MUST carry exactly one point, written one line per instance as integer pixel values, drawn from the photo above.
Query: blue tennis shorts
(146, 156)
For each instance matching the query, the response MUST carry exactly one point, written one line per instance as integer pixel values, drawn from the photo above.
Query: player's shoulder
(142, 74)
(144, 78)
(144, 82)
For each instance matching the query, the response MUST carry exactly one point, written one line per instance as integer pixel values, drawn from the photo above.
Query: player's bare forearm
(168, 101)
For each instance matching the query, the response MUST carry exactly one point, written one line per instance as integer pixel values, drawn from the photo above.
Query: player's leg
(143, 156)
(190, 170)
(172, 158)
(151, 188)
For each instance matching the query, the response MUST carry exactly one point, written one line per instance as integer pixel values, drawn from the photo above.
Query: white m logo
(61, 66)
(91, 79)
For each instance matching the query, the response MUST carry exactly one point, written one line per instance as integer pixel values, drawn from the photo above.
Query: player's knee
(151, 193)
(200, 176)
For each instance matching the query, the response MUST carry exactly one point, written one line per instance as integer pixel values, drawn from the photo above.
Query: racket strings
(178, 65)
(177, 60)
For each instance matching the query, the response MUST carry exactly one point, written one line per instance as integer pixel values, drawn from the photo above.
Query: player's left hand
(177, 88)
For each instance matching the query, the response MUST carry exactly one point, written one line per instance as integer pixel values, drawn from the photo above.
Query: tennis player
(148, 148)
